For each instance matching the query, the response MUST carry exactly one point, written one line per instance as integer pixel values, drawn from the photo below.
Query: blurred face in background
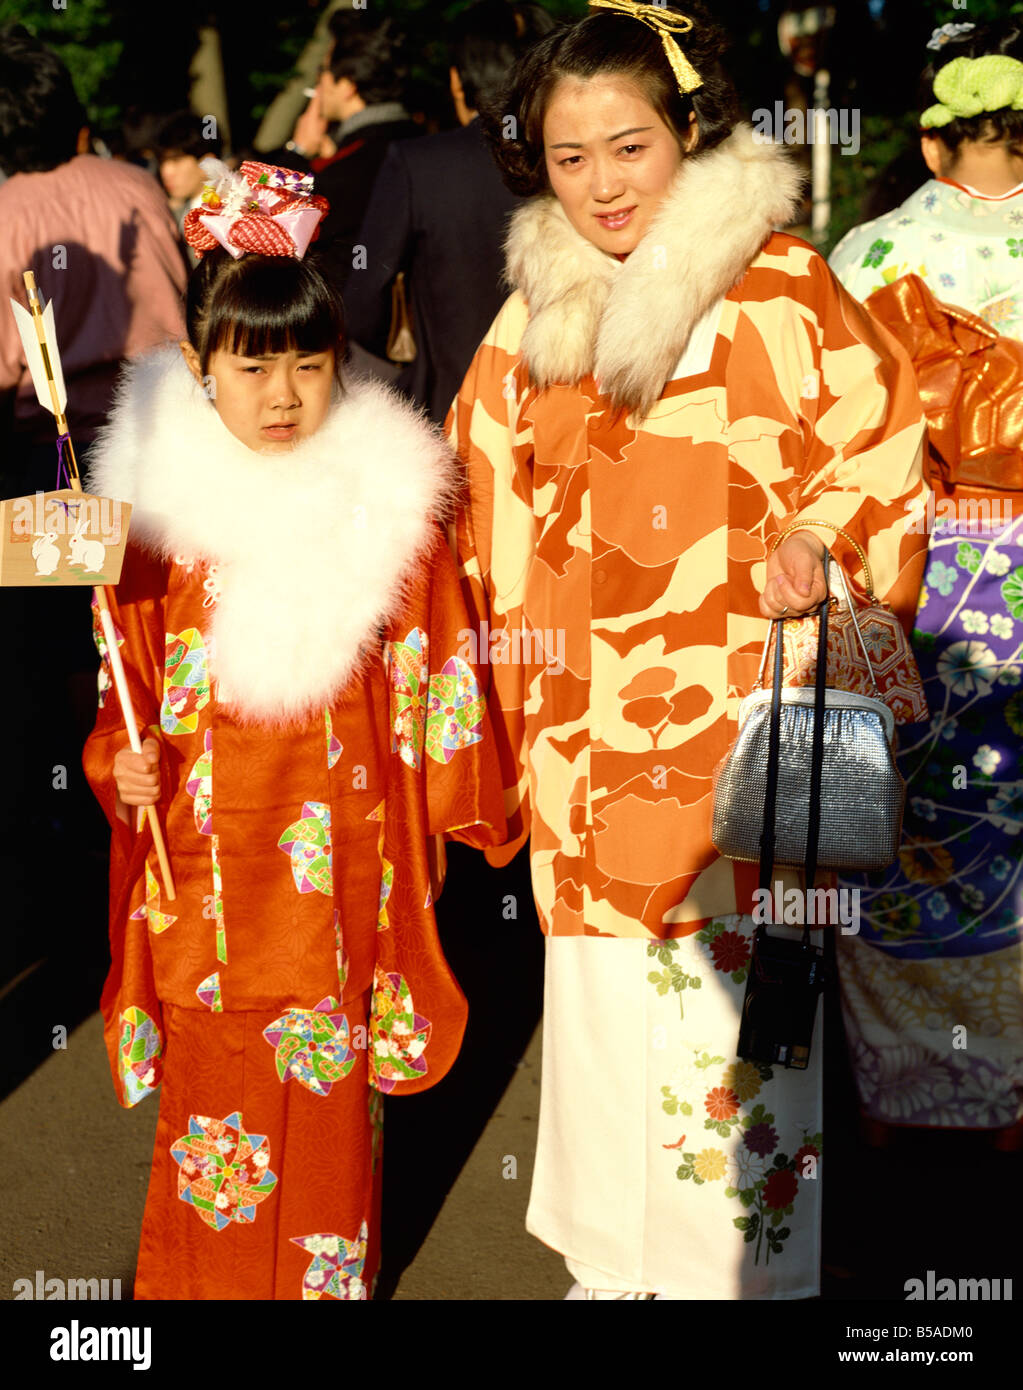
(181, 176)
(339, 98)
(610, 188)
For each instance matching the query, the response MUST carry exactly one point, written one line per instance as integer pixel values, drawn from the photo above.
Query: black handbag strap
(773, 749)
(813, 826)
(767, 835)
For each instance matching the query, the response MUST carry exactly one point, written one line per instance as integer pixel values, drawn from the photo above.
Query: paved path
(74, 1168)
(75, 1165)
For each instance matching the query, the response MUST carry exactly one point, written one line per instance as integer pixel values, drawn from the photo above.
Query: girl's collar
(985, 197)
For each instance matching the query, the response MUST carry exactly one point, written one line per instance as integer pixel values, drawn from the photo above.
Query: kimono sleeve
(136, 607)
(132, 1018)
(438, 710)
(864, 433)
(494, 535)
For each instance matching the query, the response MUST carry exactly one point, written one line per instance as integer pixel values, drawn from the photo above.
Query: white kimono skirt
(664, 1163)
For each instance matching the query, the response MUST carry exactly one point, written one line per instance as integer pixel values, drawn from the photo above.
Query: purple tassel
(62, 471)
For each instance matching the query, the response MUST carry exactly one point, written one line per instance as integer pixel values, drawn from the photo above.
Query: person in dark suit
(438, 212)
(359, 99)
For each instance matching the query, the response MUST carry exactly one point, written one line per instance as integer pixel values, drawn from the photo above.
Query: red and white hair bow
(261, 208)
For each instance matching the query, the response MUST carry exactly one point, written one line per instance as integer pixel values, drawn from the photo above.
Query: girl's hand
(795, 577)
(137, 775)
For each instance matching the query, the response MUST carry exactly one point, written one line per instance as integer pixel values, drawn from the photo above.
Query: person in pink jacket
(100, 239)
(102, 243)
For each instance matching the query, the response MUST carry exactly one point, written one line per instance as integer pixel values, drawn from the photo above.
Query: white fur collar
(313, 549)
(629, 322)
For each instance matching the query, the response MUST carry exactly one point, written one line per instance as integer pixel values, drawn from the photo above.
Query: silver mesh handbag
(811, 779)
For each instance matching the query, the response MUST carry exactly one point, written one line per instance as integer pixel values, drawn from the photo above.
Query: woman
(931, 987)
(670, 387)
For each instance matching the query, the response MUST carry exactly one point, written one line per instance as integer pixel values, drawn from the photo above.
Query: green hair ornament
(974, 86)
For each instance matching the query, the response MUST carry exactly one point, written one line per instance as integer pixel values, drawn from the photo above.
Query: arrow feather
(35, 358)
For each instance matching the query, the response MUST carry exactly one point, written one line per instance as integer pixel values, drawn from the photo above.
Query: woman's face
(269, 403)
(610, 158)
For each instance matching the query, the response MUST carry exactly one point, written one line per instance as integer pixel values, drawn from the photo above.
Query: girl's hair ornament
(262, 209)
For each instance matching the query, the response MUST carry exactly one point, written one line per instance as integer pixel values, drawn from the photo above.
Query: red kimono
(297, 973)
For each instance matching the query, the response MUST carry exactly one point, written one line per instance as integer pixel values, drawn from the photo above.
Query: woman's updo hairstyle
(258, 305)
(609, 42)
(990, 127)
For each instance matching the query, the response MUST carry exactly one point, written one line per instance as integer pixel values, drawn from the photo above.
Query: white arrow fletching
(34, 355)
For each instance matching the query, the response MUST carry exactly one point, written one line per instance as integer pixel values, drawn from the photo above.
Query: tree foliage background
(127, 58)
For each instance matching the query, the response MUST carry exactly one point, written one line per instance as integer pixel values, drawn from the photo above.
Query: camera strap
(767, 969)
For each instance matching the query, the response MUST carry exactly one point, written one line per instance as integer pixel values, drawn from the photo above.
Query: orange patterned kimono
(635, 547)
(297, 973)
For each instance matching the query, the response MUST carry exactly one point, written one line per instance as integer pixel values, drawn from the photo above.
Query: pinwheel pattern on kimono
(409, 668)
(103, 678)
(149, 911)
(443, 711)
(386, 869)
(334, 745)
(209, 992)
(341, 953)
(312, 1045)
(398, 1035)
(223, 1172)
(186, 682)
(307, 841)
(200, 786)
(336, 1267)
(140, 1055)
(454, 710)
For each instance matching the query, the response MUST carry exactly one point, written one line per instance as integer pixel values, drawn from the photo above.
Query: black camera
(785, 980)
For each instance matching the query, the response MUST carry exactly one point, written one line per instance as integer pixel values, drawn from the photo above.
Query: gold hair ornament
(665, 25)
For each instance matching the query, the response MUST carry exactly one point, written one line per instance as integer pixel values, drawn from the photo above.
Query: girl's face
(610, 158)
(269, 403)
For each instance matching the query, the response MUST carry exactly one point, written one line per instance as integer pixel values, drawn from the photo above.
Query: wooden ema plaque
(64, 537)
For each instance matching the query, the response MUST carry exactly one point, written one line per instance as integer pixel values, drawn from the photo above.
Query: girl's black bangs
(274, 308)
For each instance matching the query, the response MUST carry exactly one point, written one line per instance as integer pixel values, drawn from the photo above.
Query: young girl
(671, 387)
(942, 940)
(287, 618)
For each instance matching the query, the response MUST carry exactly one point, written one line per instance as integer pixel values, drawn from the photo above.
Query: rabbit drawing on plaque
(88, 553)
(46, 552)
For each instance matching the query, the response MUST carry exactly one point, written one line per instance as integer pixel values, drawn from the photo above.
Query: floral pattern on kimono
(968, 248)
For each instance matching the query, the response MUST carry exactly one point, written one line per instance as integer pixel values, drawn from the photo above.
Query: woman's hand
(795, 577)
(137, 776)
